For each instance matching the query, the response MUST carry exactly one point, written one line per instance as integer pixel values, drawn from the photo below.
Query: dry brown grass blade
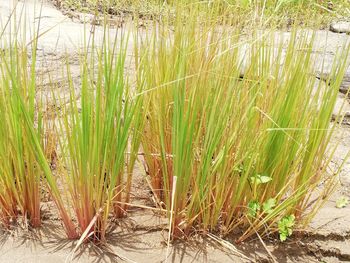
(84, 235)
(171, 217)
(265, 247)
(228, 246)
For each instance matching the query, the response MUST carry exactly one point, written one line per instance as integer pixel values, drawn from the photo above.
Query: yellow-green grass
(242, 124)
(24, 167)
(100, 145)
(19, 176)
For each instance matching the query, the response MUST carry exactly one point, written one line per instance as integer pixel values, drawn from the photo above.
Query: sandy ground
(142, 236)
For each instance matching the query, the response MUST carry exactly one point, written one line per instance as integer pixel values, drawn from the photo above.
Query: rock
(342, 107)
(338, 249)
(344, 86)
(340, 143)
(340, 27)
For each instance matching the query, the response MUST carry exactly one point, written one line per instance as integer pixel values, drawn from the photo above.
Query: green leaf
(285, 226)
(254, 207)
(283, 237)
(260, 179)
(269, 205)
(265, 179)
(342, 202)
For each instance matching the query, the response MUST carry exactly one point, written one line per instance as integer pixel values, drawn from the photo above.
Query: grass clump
(99, 147)
(241, 123)
(234, 131)
(20, 176)
(24, 168)
(97, 136)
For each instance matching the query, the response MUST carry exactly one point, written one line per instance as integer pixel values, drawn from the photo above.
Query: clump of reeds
(99, 145)
(240, 122)
(97, 134)
(22, 130)
(24, 165)
(20, 175)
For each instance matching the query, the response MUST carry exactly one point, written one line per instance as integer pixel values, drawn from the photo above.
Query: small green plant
(254, 208)
(269, 205)
(285, 227)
